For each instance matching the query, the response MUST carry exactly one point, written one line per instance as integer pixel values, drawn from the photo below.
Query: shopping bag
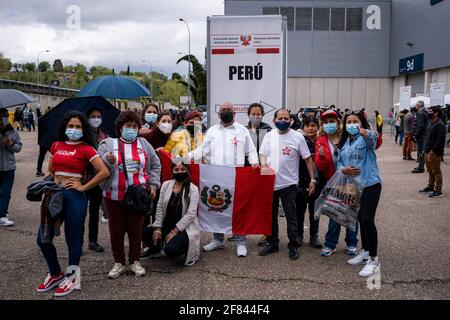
(340, 200)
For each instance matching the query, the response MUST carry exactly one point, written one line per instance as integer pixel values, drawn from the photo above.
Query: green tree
(44, 66)
(29, 67)
(171, 91)
(99, 71)
(197, 79)
(58, 66)
(69, 69)
(5, 63)
(17, 67)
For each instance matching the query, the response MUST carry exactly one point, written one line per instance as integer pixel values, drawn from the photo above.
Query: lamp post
(38, 81)
(151, 76)
(189, 61)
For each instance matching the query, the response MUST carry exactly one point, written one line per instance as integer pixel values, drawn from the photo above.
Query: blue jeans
(6, 185)
(332, 236)
(240, 240)
(74, 212)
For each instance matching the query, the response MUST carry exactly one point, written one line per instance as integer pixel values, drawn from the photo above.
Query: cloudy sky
(113, 33)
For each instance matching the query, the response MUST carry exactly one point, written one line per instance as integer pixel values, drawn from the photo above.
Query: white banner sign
(246, 64)
(437, 91)
(405, 97)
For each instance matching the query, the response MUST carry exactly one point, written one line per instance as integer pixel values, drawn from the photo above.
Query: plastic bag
(340, 200)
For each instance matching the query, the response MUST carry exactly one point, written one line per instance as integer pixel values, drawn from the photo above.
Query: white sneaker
(370, 267)
(362, 257)
(213, 245)
(117, 270)
(241, 250)
(138, 269)
(5, 222)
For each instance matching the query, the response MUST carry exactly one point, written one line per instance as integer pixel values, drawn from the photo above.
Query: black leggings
(369, 203)
(95, 200)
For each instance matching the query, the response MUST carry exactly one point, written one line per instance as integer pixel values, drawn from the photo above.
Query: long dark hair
(186, 184)
(87, 133)
(345, 135)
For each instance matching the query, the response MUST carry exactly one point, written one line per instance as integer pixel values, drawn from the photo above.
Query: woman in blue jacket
(357, 158)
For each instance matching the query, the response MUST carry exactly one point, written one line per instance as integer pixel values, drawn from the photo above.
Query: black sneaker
(263, 242)
(427, 190)
(270, 248)
(153, 253)
(293, 253)
(39, 174)
(232, 238)
(315, 242)
(95, 247)
(436, 194)
(417, 170)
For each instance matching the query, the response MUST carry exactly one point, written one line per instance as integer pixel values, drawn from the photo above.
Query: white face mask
(165, 127)
(95, 122)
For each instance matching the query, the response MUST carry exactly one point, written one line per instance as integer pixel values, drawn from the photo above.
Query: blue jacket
(361, 154)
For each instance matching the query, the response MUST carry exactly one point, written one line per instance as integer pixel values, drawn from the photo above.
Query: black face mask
(226, 116)
(180, 176)
(190, 128)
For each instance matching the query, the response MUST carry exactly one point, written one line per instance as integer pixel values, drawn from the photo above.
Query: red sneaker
(67, 286)
(51, 282)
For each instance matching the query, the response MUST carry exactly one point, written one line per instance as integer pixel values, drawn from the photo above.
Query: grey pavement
(414, 251)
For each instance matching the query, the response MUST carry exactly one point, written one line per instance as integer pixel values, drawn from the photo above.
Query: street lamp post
(38, 81)
(189, 61)
(151, 76)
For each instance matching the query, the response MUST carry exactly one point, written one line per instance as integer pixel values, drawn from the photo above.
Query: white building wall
(355, 93)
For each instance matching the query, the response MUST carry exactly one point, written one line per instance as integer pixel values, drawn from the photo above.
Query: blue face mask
(129, 134)
(352, 129)
(151, 117)
(74, 134)
(330, 128)
(282, 125)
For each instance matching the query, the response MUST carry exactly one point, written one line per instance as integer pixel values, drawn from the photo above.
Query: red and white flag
(232, 200)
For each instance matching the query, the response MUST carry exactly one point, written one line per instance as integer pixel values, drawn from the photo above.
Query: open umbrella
(114, 87)
(49, 123)
(11, 98)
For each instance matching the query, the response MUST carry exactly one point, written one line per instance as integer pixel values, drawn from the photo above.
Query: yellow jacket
(180, 142)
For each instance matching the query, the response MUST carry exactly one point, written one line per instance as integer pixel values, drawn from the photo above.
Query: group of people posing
(93, 170)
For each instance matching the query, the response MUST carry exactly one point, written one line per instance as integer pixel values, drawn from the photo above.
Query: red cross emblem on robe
(286, 151)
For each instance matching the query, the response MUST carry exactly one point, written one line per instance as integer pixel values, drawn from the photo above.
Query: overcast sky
(113, 33)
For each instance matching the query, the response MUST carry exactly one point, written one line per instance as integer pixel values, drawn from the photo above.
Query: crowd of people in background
(92, 172)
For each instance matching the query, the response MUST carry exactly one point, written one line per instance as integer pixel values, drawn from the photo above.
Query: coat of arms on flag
(215, 198)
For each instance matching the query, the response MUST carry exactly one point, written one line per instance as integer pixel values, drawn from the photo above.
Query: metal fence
(40, 89)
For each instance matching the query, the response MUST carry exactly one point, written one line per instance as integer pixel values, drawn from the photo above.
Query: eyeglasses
(355, 112)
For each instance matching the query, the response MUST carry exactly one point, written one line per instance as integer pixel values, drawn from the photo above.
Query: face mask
(74, 134)
(256, 121)
(180, 176)
(129, 134)
(95, 122)
(165, 127)
(151, 117)
(282, 125)
(226, 117)
(352, 129)
(330, 128)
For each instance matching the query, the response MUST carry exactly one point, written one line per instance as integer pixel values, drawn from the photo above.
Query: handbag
(137, 198)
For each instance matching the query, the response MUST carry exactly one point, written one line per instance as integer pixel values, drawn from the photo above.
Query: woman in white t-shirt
(281, 150)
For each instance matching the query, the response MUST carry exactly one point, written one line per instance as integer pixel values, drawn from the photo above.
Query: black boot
(315, 242)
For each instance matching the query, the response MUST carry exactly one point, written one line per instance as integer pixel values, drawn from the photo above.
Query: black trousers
(288, 196)
(42, 152)
(95, 200)
(304, 201)
(369, 203)
(175, 248)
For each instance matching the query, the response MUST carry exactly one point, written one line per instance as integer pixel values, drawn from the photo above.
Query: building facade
(348, 53)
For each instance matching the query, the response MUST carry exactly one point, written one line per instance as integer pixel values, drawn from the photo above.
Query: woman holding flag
(176, 223)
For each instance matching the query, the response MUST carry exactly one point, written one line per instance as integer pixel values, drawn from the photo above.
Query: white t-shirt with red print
(136, 164)
(283, 152)
(71, 158)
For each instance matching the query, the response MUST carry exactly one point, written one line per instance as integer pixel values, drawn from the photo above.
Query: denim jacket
(361, 154)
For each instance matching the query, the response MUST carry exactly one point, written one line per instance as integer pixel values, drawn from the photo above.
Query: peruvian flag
(232, 200)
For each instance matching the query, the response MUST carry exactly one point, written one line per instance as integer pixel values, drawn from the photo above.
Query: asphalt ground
(414, 251)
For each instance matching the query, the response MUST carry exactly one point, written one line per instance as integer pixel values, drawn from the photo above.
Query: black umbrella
(49, 123)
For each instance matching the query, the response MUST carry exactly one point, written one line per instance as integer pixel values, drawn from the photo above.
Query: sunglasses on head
(355, 112)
